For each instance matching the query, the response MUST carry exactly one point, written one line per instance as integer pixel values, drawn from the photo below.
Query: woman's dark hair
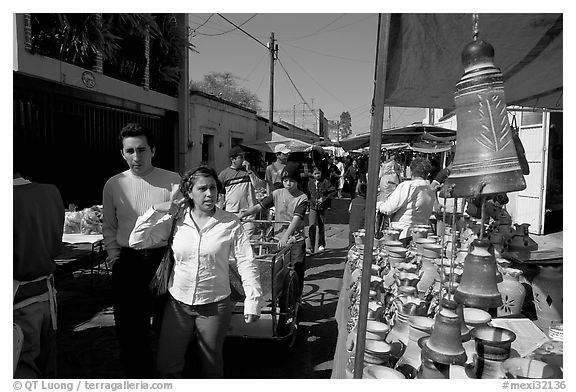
(189, 179)
(420, 167)
(136, 129)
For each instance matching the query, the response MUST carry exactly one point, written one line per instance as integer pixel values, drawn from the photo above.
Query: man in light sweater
(126, 196)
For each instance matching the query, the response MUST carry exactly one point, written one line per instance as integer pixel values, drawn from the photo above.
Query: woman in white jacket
(205, 239)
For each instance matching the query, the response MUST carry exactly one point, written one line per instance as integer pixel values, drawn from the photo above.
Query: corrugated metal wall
(73, 143)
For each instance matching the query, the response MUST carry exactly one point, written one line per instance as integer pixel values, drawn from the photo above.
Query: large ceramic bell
(445, 342)
(478, 286)
(486, 160)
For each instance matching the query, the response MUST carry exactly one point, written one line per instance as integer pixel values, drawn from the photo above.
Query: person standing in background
(357, 210)
(273, 175)
(321, 191)
(240, 184)
(291, 205)
(412, 202)
(38, 224)
(340, 166)
(388, 180)
(126, 196)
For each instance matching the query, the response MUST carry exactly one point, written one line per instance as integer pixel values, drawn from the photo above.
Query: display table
(531, 342)
(98, 263)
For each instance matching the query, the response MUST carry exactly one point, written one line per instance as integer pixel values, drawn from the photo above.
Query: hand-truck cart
(280, 289)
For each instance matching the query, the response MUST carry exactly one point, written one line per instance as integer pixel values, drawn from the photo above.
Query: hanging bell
(478, 285)
(445, 342)
(486, 160)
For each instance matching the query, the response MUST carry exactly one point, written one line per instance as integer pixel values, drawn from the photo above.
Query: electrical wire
(242, 30)
(328, 31)
(206, 21)
(319, 85)
(296, 88)
(325, 54)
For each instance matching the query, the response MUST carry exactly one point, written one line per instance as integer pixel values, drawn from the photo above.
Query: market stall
(442, 306)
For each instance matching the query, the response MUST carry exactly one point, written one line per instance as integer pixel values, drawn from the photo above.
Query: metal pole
(271, 113)
(184, 136)
(373, 165)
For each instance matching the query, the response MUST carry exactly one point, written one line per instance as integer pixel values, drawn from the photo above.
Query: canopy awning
(408, 134)
(424, 57)
(294, 145)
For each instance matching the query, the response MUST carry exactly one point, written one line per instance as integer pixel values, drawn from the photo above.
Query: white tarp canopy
(408, 134)
(424, 54)
(294, 145)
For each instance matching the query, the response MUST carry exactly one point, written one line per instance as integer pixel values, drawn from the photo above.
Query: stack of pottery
(512, 292)
(429, 251)
(396, 254)
(407, 304)
(492, 349)
(409, 363)
(420, 231)
(390, 235)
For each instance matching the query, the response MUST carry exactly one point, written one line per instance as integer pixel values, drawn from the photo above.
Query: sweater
(37, 228)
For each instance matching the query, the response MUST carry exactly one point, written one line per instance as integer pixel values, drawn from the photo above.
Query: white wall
(224, 122)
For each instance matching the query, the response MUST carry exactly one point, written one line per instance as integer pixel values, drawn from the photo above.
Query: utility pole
(273, 48)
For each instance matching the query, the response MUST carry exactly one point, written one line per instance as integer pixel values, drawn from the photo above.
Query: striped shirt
(240, 193)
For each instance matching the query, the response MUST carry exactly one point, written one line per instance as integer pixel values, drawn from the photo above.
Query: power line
(206, 21)
(319, 85)
(328, 31)
(326, 54)
(245, 32)
(296, 88)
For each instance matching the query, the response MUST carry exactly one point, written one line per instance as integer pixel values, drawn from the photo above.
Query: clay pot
(476, 318)
(390, 235)
(381, 372)
(429, 275)
(396, 251)
(431, 250)
(418, 232)
(512, 292)
(548, 291)
(492, 348)
(410, 361)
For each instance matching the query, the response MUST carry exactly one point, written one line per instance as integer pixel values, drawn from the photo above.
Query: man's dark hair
(136, 129)
(420, 167)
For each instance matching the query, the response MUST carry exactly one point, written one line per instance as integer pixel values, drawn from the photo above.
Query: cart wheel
(288, 306)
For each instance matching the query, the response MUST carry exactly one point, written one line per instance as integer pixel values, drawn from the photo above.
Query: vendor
(412, 202)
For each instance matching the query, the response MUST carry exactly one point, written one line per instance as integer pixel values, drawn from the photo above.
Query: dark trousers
(316, 221)
(134, 305)
(183, 323)
(298, 255)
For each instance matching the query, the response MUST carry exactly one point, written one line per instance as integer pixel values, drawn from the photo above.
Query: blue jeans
(181, 324)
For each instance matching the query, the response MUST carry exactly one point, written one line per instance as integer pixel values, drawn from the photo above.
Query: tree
(121, 41)
(345, 125)
(225, 86)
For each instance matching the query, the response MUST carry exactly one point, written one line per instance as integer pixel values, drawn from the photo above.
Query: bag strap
(175, 218)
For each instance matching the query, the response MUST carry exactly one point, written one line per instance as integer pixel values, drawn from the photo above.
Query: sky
(325, 61)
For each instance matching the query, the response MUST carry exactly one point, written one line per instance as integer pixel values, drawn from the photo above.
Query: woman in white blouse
(205, 239)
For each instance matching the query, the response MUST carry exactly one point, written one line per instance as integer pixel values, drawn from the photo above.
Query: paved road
(88, 348)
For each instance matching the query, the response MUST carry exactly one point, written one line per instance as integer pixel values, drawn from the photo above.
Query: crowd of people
(205, 219)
